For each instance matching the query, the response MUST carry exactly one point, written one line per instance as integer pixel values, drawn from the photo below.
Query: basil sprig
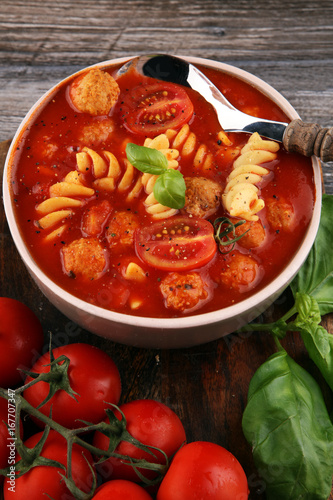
(169, 188)
(288, 425)
(286, 420)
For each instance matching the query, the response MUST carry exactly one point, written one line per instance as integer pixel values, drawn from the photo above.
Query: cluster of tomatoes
(153, 432)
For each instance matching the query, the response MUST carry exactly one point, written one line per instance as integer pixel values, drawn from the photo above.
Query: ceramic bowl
(166, 332)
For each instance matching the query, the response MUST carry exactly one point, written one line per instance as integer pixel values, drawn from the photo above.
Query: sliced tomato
(181, 243)
(155, 107)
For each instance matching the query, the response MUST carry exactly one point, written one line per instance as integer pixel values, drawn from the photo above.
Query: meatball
(96, 132)
(183, 291)
(120, 230)
(95, 92)
(202, 196)
(94, 218)
(84, 257)
(280, 214)
(238, 271)
(255, 234)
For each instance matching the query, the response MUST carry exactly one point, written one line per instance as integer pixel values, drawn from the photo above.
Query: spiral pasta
(240, 197)
(186, 142)
(153, 207)
(64, 197)
(71, 192)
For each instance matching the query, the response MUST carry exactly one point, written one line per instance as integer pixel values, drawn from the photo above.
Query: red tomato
(153, 424)
(155, 107)
(44, 481)
(180, 243)
(92, 374)
(21, 340)
(204, 471)
(119, 489)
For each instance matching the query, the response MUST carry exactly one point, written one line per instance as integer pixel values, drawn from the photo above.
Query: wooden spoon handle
(309, 139)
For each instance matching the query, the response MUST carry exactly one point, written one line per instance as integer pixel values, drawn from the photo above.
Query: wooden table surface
(289, 44)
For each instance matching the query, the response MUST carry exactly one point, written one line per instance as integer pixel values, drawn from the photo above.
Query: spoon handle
(309, 139)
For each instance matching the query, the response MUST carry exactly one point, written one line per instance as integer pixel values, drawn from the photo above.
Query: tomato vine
(114, 429)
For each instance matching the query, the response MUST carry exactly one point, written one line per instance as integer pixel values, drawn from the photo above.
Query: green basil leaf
(316, 275)
(319, 344)
(169, 189)
(288, 425)
(147, 160)
(317, 340)
(307, 308)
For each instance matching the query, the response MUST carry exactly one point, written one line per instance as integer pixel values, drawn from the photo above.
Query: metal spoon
(304, 138)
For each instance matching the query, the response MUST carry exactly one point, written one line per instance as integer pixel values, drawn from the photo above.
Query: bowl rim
(182, 322)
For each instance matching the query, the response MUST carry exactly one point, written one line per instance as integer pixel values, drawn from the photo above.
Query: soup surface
(96, 226)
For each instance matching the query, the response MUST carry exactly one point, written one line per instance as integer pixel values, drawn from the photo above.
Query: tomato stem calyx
(57, 377)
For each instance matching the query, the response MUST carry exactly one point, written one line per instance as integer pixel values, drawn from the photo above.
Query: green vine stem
(114, 429)
(270, 327)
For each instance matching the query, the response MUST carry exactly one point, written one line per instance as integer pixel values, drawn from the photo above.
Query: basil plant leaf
(317, 340)
(316, 275)
(169, 189)
(288, 425)
(147, 160)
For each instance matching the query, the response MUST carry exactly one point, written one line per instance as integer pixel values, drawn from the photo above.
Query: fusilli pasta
(64, 197)
(240, 197)
(70, 193)
(186, 142)
(153, 207)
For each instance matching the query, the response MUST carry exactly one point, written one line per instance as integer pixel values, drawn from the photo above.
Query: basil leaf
(307, 308)
(147, 160)
(288, 426)
(169, 189)
(317, 340)
(316, 275)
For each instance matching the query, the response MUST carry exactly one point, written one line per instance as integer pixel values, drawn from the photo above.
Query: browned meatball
(95, 217)
(183, 291)
(238, 271)
(202, 196)
(84, 257)
(280, 214)
(94, 93)
(255, 234)
(96, 132)
(120, 230)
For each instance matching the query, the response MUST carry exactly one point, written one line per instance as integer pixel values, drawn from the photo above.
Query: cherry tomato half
(21, 340)
(155, 107)
(204, 471)
(181, 243)
(92, 374)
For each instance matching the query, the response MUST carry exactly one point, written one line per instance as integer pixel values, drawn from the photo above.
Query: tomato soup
(120, 237)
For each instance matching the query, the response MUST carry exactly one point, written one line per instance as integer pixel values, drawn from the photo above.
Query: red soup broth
(46, 153)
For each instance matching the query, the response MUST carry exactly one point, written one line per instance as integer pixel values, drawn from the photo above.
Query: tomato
(92, 374)
(155, 107)
(120, 489)
(153, 424)
(21, 340)
(180, 243)
(204, 471)
(42, 482)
